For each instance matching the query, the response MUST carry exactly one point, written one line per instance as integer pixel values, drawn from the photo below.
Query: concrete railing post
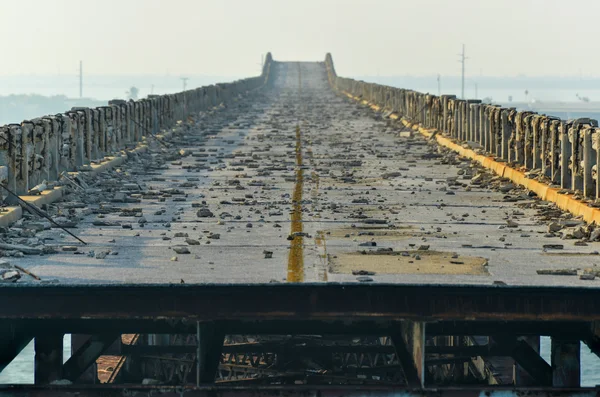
(588, 162)
(565, 156)
(507, 135)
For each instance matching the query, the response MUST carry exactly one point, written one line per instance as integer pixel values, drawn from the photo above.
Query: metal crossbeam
(303, 301)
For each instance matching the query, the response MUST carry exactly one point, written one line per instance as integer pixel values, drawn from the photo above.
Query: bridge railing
(562, 152)
(42, 148)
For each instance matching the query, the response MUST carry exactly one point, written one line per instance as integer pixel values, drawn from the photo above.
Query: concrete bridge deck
(295, 213)
(325, 185)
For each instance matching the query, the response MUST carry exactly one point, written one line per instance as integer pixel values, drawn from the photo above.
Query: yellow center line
(296, 255)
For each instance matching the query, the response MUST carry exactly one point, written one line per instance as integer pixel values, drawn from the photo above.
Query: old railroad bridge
(300, 233)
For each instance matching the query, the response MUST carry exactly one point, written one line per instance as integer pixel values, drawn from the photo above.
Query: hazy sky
(366, 37)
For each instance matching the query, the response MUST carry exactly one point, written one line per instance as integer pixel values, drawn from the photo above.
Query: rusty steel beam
(408, 338)
(349, 326)
(87, 354)
(566, 363)
(287, 391)
(301, 301)
(592, 338)
(210, 338)
(48, 360)
(521, 376)
(183, 326)
(527, 358)
(13, 339)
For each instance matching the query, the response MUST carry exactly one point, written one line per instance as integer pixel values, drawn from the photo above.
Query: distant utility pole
(80, 79)
(462, 60)
(439, 85)
(184, 79)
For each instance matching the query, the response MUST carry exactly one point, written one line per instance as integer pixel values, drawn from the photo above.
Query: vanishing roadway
(314, 179)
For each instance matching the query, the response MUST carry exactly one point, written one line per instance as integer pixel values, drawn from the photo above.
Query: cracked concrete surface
(214, 212)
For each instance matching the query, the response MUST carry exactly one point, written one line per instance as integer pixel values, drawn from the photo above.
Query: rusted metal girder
(13, 339)
(210, 339)
(301, 302)
(528, 358)
(348, 326)
(87, 354)
(409, 340)
(566, 367)
(287, 391)
(48, 358)
(521, 376)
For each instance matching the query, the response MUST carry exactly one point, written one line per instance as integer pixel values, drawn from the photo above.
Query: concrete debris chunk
(11, 276)
(21, 248)
(38, 189)
(553, 246)
(368, 244)
(105, 223)
(181, 250)
(575, 233)
(477, 179)
(102, 254)
(557, 272)
(555, 227)
(119, 197)
(204, 213)
(362, 273)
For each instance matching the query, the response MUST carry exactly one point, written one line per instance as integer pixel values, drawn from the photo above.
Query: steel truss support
(48, 358)
(522, 377)
(13, 339)
(409, 340)
(527, 358)
(87, 354)
(566, 368)
(210, 338)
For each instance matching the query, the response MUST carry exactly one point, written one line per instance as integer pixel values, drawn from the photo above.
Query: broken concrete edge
(13, 213)
(565, 202)
(10, 216)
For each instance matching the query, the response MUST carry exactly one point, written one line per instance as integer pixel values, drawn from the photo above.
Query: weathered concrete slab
(227, 190)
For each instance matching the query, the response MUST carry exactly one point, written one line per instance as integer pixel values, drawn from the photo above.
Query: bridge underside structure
(299, 240)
